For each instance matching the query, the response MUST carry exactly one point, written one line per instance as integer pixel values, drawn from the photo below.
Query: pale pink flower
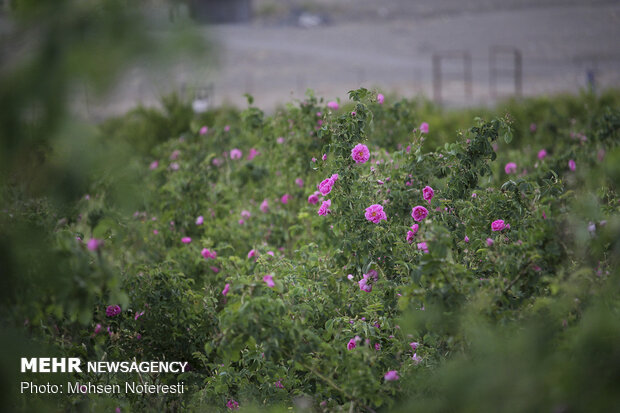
(280, 140)
(299, 182)
(154, 165)
(350, 277)
(333, 105)
(490, 242)
(264, 206)
(416, 359)
(285, 198)
(174, 155)
(204, 130)
(174, 166)
(245, 214)
(226, 128)
(268, 279)
(217, 162)
(334, 177)
(200, 220)
(424, 127)
(360, 153)
(186, 240)
(380, 98)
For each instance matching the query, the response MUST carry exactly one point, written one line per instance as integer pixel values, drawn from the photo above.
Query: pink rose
(428, 193)
(360, 153)
(418, 213)
(375, 214)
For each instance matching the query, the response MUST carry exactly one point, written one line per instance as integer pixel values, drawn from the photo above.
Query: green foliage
(519, 319)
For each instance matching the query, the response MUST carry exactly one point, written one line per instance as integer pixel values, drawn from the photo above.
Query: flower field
(371, 256)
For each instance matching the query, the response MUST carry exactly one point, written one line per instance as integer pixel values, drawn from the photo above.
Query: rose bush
(428, 252)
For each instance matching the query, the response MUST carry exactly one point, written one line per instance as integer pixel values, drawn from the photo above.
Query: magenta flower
(410, 236)
(94, 244)
(571, 165)
(155, 232)
(380, 98)
(236, 153)
(313, 159)
(542, 154)
(204, 130)
(324, 157)
(325, 187)
(264, 206)
(138, 315)
(299, 182)
(252, 253)
(428, 193)
(377, 346)
(313, 199)
(334, 177)
(510, 168)
(423, 247)
(227, 128)
(186, 240)
(414, 228)
(324, 209)
(333, 105)
(208, 254)
(245, 214)
(466, 238)
(490, 242)
(391, 375)
(418, 213)
(113, 310)
(360, 153)
(351, 344)
(200, 220)
(98, 329)
(268, 279)
(217, 162)
(498, 225)
(232, 404)
(363, 284)
(225, 290)
(285, 198)
(154, 165)
(414, 345)
(474, 195)
(424, 127)
(253, 154)
(278, 384)
(375, 214)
